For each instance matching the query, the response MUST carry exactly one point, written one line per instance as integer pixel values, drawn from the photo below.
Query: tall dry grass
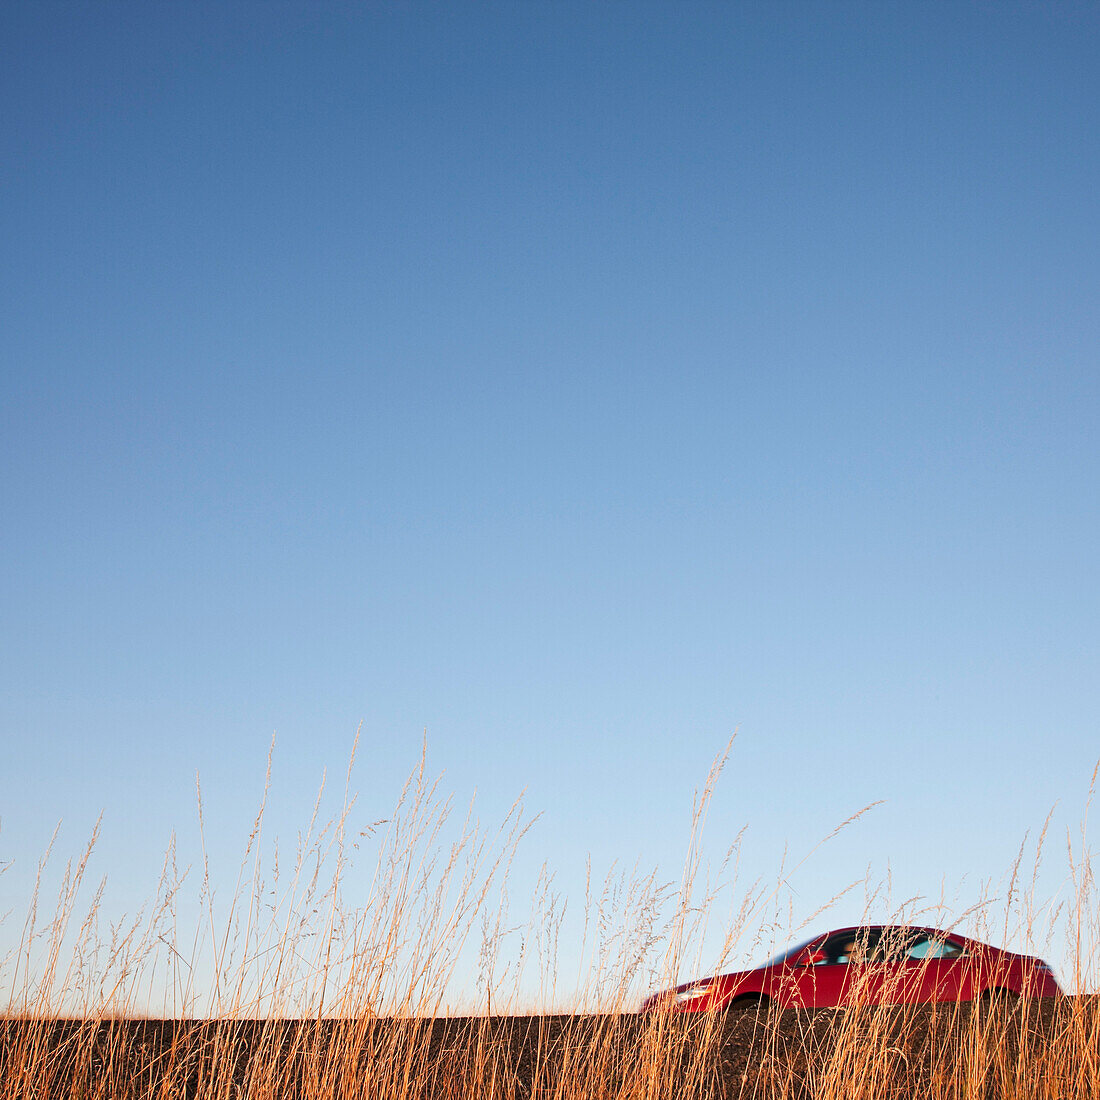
(287, 991)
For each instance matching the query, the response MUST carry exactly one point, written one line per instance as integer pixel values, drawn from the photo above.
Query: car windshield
(787, 952)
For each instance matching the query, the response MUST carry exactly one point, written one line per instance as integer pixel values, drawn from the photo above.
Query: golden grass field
(304, 997)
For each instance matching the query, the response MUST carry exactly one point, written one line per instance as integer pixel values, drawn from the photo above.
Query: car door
(823, 975)
(934, 968)
(868, 975)
(886, 977)
(820, 984)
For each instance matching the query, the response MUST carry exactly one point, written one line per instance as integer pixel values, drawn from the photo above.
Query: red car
(871, 964)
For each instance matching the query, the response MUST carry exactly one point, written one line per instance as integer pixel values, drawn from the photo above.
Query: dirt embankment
(1049, 1050)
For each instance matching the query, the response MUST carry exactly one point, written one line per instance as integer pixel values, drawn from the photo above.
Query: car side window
(895, 944)
(850, 947)
(933, 947)
(833, 949)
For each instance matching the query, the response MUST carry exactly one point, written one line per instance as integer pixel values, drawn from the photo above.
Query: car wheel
(750, 1002)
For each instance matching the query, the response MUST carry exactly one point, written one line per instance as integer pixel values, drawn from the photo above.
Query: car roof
(891, 928)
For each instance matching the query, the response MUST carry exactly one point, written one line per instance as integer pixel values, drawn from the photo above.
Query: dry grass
(290, 993)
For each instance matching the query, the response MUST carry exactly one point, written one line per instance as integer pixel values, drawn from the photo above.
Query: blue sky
(579, 383)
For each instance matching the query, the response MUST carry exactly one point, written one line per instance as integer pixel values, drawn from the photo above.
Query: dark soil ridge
(882, 1054)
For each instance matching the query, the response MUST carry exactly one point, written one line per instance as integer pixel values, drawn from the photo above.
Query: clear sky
(577, 382)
